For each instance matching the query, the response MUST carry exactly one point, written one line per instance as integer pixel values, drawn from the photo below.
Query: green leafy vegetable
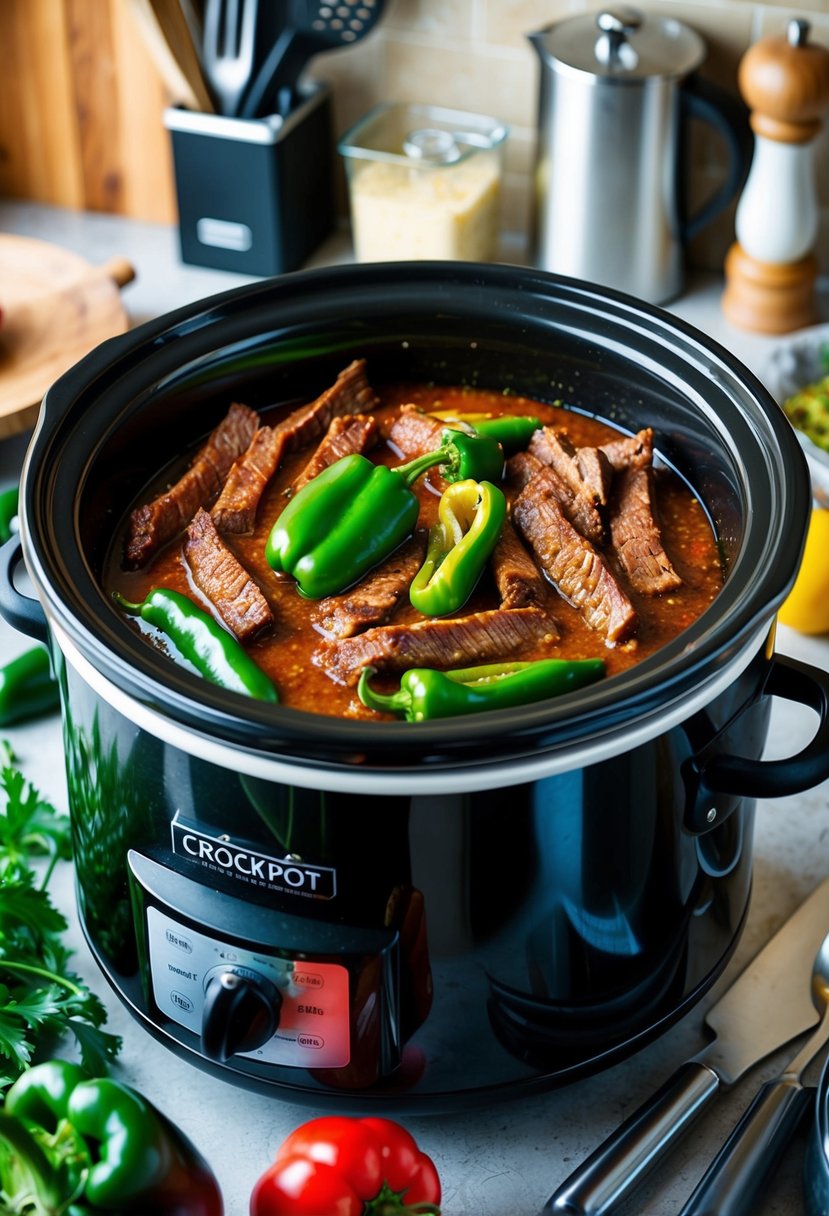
(41, 999)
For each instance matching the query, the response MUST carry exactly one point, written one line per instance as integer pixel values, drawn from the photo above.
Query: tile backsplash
(474, 55)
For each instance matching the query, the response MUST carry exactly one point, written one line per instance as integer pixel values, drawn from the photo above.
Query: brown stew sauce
(286, 653)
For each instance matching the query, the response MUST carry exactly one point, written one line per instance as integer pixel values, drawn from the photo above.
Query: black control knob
(241, 1012)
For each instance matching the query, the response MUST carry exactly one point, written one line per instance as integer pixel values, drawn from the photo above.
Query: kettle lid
(621, 43)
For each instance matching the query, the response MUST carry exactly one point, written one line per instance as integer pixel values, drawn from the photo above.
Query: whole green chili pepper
(27, 688)
(425, 694)
(355, 513)
(9, 504)
(214, 652)
(512, 431)
(103, 1146)
(470, 518)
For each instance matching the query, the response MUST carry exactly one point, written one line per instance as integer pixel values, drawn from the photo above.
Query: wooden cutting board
(54, 308)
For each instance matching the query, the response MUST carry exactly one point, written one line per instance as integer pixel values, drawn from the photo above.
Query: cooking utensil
(229, 49)
(182, 76)
(311, 28)
(617, 91)
(732, 1182)
(56, 308)
(768, 1004)
(584, 869)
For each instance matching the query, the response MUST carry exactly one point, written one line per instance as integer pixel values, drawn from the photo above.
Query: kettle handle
(706, 102)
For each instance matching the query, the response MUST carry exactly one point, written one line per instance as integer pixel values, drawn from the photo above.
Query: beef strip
(152, 525)
(635, 535)
(235, 510)
(414, 433)
(596, 471)
(518, 579)
(374, 599)
(631, 451)
(224, 581)
(576, 569)
(481, 637)
(524, 467)
(353, 433)
(553, 448)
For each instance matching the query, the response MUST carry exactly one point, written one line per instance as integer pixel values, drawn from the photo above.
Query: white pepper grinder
(770, 271)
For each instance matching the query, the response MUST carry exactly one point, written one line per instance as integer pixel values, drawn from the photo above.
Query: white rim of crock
(466, 778)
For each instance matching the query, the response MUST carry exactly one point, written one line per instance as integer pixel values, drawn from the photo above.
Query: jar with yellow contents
(424, 183)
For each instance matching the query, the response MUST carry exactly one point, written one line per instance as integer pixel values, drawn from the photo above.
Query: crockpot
(412, 915)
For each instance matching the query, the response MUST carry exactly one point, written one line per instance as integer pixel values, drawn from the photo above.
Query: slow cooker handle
(746, 778)
(22, 612)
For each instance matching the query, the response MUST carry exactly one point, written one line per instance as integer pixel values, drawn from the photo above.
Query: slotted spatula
(311, 28)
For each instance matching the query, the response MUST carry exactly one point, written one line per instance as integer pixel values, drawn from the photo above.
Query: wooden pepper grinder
(770, 271)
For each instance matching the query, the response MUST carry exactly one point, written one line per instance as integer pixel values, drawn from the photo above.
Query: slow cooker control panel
(246, 1002)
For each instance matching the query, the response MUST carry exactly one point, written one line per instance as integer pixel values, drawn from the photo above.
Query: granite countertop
(499, 1160)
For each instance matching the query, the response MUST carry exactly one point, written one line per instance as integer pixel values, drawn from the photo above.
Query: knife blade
(768, 1005)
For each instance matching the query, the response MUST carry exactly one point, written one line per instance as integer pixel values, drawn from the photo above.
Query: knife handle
(628, 1154)
(730, 1185)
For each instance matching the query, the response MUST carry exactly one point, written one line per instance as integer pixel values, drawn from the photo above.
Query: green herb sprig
(41, 999)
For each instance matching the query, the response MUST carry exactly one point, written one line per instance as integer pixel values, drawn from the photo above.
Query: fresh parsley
(42, 1001)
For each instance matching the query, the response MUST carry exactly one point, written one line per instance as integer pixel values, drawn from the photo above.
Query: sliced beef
(414, 433)
(481, 637)
(596, 471)
(235, 510)
(576, 569)
(553, 448)
(224, 580)
(374, 599)
(631, 451)
(524, 467)
(345, 436)
(153, 524)
(518, 579)
(635, 536)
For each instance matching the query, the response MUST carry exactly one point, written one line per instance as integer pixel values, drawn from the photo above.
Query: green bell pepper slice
(214, 652)
(355, 513)
(27, 687)
(512, 431)
(9, 505)
(471, 515)
(425, 694)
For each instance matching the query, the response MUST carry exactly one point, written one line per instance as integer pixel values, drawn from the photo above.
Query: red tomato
(337, 1165)
(295, 1186)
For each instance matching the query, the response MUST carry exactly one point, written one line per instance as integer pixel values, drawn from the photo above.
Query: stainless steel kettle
(616, 91)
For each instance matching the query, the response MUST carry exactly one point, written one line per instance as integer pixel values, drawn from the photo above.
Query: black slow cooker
(412, 915)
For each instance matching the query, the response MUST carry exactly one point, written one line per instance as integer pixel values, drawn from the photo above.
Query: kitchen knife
(768, 1004)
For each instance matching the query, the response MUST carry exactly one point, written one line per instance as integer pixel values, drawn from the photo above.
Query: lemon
(807, 607)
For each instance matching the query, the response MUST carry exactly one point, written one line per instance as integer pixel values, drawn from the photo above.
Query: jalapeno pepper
(512, 431)
(470, 517)
(27, 688)
(355, 513)
(215, 653)
(99, 1145)
(9, 503)
(425, 694)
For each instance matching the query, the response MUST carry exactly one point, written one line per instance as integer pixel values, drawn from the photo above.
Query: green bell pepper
(9, 504)
(471, 515)
(512, 431)
(214, 652)
(97, 1145)
(27, 688)
(425, 694)
(355, 513)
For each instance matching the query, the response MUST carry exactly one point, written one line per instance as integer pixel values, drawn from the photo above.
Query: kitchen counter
(499, 1160)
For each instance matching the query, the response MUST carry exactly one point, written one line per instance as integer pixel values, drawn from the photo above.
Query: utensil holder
(255, 196)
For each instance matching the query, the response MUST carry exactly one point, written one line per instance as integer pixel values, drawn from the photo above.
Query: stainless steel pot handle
(709, 777)
(22, 612)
